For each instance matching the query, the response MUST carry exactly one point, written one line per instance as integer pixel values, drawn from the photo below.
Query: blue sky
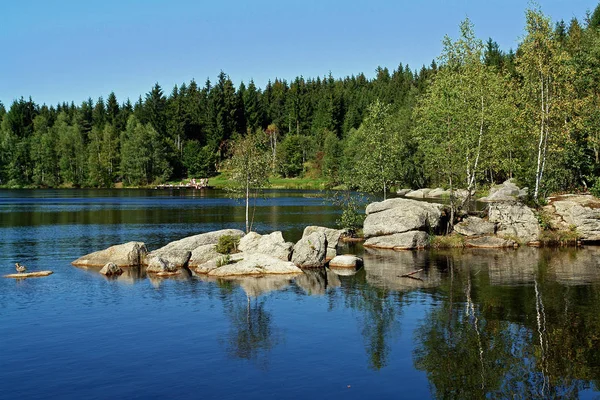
(69, 50)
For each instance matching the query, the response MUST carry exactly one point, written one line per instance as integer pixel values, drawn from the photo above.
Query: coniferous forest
(477, 115)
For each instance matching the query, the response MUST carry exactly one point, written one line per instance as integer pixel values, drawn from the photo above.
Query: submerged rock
(310, 251)
(474, 226)
(111, 269)
(272, 244)
(400, 241)
(400, 215)
(123, 255)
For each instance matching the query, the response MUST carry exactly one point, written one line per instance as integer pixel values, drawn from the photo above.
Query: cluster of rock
(427, 193)
(258, 255)
(576, 212)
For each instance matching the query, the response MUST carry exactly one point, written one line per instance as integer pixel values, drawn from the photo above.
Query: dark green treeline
(478, 116)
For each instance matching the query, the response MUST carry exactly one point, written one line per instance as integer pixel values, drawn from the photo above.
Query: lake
(475, 323)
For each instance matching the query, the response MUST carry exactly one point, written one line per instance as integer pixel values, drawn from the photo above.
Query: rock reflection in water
(575, 266)
(384, 269)
(313, 281)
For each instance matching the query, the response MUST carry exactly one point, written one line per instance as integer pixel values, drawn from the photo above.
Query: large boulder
(474, 226)
(111, 269)
(579, 212)
(175, 258)
(418, 194)
(203, 254)
(401, 215)
(515, 220)
(491, 242)
(403, 192)
(179, 248)
(123, 255)
(437, 193)
(507, 191)
(310, 251)
(272, 244)
(400, 241)
(159, 264)
(333, 238)
(254, 264)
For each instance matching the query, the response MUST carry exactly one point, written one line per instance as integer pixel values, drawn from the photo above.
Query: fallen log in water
(35, 274)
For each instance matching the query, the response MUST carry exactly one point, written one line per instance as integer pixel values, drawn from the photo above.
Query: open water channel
(476, 323)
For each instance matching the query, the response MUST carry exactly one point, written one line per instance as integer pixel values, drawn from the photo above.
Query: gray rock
(111, 269)
(123, 255)
(203, 254)
(255, 264)
(581, 212)
(346, 261)
(160, 264)
(507, 191)
(402, 192)
(310, 251)
(272, 244)
(514, 219)
(490, 242)
(175, 258)
(400, 215)
(193, 242)
(333, 238)
(400, 241)
(217, 262)
(474, 226)
(437, 193)
(418, 194)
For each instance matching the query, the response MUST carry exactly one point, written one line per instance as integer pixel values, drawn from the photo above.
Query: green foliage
(198, 160)
(352, 206)
(227, 244)
(595, 190)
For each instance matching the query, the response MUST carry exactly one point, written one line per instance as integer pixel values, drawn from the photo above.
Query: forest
(477, 115)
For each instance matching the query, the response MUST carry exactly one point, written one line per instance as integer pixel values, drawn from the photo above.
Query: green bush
(595, 190)
(228, 244)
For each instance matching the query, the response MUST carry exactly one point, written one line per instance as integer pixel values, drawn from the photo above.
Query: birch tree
(250, 165)
(546, 91)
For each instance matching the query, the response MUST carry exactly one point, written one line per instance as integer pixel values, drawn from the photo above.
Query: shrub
(228, 244)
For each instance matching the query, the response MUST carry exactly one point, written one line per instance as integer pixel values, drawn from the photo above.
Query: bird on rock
(20, 268)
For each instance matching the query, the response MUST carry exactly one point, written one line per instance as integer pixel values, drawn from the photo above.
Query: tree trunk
(247, 203)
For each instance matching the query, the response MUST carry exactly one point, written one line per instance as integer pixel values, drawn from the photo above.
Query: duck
(20, 268)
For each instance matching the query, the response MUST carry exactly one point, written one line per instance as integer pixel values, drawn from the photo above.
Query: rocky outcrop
(272, 244)
(111, 269)
(475, 226)
(310, 251)
(193, 242)
(490, 242)
(515, 220)
(400, 241)
(203, 254)
(248, 264)
(333, 238)
(123, 255)
(346, 261)
(507, 191)
(401, 215)
(581, 212)
(159, 264)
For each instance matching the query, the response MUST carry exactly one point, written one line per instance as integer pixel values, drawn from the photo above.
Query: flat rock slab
(345, 261)
(490, 242)
(123, 255)
(36, 274)
(256, 264)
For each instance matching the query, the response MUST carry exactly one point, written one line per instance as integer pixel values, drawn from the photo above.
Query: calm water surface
(495, 324)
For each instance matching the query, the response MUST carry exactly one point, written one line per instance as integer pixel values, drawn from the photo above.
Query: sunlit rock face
(272, 244)
(310, 251)
(400, 241)
(581, 212)
(514, 220)
(333, 238)
(475, 226)
(191, 243)
(123, 255)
